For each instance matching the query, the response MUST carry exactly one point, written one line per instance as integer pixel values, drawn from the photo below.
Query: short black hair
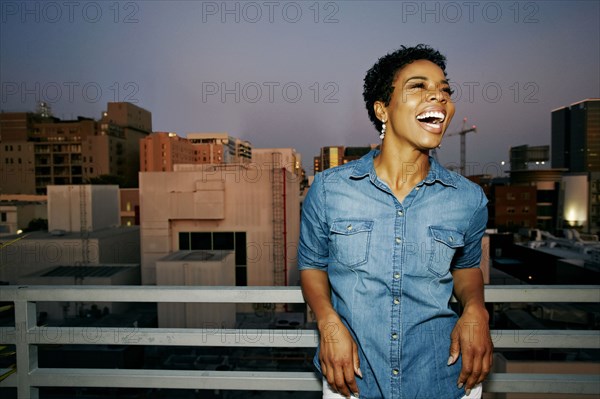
(379, 80)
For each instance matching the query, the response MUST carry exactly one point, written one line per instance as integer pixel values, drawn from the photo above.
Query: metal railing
(26, 335)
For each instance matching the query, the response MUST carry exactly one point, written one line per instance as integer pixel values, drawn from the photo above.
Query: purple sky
(290, 74)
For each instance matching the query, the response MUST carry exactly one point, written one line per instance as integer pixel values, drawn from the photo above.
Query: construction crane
(463, 143)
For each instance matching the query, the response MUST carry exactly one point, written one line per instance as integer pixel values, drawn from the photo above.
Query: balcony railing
(25, 335)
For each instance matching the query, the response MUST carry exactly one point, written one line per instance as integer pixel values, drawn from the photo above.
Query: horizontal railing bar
(543, 293)
(583, 339)
(580, 339)
(174, 337)
(174, 379)
(162, 294)
(226, 294)
(543, 383)
(284, 381)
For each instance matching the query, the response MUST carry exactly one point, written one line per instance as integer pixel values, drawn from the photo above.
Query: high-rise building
(39, 150)
(576, 147)
(576, 136)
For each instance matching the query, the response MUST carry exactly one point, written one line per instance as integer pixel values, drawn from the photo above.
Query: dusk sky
(290, 74)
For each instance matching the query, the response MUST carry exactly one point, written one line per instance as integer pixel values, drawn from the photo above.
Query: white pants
(328, 393)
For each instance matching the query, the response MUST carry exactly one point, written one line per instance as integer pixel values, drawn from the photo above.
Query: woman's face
(420, 109)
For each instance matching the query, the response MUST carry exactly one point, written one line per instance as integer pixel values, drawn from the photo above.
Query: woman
(386, 240)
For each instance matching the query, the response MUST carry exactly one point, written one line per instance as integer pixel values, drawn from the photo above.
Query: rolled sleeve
(313, 248)
(470, 255)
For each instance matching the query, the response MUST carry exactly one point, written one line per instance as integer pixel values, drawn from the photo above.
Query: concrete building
(161, 150)
(192, 268)
(251, 209)
(17, 211)
(215, 148)
(38, 151)
(83, 230)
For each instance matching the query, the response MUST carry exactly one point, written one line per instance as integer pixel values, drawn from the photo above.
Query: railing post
(27, 355)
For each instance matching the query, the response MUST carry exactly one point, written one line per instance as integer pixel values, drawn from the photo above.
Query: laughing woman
(385, 242)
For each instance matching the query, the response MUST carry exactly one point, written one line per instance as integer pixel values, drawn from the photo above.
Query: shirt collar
(364, 167)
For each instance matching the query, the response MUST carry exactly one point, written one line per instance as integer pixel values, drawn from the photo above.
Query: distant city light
(502, 163)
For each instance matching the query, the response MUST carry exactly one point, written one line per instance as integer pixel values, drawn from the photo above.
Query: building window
(525, 196)
(2, 216)
(525, 209)
(510, 210)
(128, 206)
(510, 196)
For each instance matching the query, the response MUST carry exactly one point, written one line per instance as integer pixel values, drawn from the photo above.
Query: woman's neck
(401, 167)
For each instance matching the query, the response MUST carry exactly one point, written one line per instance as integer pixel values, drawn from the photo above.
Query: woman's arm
(471, 335)
(338, 351)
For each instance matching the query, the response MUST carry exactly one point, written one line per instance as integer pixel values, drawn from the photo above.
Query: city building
(39, 150)
(213, 148)
(338, 155)
(130, 206)
(525, 157)
(83, 231)
(250, 209)
(514, 207)
(576, 148)
(161, 150)
(547, 185)
(18, 211)
(328, 158)
(576, 136)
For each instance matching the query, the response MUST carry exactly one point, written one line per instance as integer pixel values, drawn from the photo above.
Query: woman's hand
(338, 356)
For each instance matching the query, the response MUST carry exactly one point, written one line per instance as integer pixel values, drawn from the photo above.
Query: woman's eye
(417, 86)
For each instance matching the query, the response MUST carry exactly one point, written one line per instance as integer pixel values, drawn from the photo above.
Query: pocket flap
(348, 227)
(448, 236)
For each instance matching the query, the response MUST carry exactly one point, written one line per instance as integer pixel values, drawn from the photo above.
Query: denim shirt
(389, 268)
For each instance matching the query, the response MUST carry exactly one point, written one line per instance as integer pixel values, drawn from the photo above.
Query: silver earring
(382, 135)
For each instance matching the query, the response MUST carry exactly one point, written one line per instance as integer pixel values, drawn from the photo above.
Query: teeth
(432, 114)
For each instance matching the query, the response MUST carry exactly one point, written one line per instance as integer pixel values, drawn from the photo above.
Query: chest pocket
(444, 243)
(350, 241)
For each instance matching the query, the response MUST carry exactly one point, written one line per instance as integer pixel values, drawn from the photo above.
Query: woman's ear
(380, 112)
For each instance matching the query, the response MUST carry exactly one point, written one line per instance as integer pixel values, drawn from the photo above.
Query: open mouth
(432, 120)
(431, 117)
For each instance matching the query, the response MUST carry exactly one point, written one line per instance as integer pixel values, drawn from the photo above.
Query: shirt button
(398, 240)
(451, 238)
(396, 276)
(394, 336)
(395, 371)
(400, 213)
(396, 301)
(349, 227)
(417, 188)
